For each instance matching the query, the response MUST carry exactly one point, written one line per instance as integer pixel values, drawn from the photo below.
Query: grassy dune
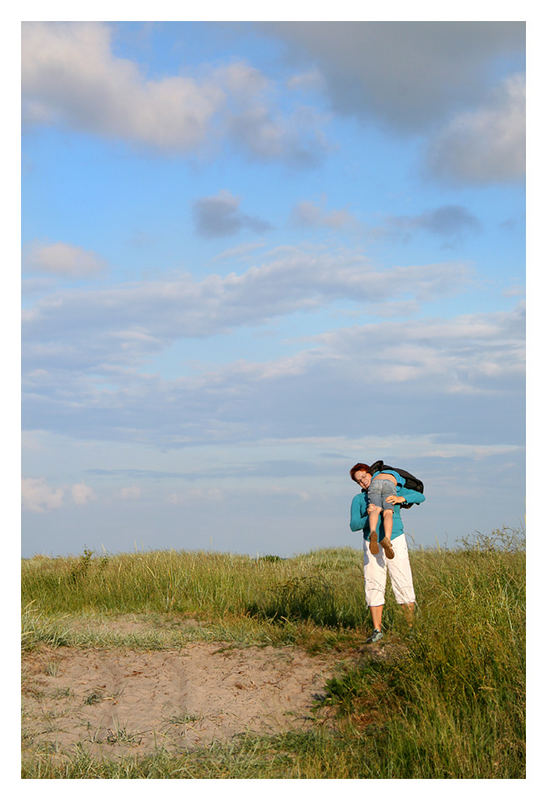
(447, 702)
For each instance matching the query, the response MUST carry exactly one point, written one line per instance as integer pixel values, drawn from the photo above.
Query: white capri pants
(375, 568)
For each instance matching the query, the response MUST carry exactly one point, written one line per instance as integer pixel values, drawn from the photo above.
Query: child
(382, 496)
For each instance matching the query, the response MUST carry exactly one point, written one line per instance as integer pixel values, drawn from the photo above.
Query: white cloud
(242, 80)
(123, 324)
(37, 496)
(71, 77)
(461, 376)
(266, 134)
(487, 144)
(82, 494)
(64, 259)
(254, 122)
(408, 446)
(453, 355)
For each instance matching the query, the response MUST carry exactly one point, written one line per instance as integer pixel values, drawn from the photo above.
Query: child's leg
(373, 514)
(387, 516)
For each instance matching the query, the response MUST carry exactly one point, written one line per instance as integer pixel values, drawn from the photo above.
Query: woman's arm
(359, 514)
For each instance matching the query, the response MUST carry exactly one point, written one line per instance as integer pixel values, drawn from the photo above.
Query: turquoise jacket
(359, 517)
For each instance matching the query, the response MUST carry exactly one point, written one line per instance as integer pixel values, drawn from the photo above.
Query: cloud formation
(220, 216)
(71, 77)
(408, 75)
(37, 496)
(448, 223)
(422, 77)
(432, 78)
(486, 144)
(459, 377)
(267, 135)
(66, 260)
(82, 494)
(83, 330)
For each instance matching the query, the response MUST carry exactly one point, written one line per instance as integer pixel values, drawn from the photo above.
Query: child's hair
(358, 468)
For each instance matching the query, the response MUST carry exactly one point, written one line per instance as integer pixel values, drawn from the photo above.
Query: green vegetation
(443, 700)
(312, 600)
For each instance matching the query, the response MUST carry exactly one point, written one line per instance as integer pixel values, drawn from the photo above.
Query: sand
(118, 701)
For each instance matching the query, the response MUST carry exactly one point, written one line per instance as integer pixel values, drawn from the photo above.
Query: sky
(256, 253)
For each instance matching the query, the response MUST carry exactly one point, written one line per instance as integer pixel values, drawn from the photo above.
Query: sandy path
(119, 701)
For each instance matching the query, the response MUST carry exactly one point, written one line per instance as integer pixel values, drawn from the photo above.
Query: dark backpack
(411, 482)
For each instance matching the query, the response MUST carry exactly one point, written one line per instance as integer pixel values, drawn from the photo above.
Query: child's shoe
(375, 637)
(374, 544)
(388, 549)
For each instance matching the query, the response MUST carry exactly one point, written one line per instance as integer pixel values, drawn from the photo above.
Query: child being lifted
(382, 496)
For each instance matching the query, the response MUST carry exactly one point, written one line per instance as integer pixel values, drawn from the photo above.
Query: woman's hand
(394, 499)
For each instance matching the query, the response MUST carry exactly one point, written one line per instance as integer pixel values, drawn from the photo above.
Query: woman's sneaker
(375, 637)
(388, 549)
(374, 543)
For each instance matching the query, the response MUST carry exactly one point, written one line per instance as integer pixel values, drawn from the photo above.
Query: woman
(375, 564)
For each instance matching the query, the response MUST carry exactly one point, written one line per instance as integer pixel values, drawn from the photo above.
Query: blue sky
(256, 253)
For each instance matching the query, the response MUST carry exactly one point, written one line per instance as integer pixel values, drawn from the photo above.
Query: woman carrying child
(364, 516)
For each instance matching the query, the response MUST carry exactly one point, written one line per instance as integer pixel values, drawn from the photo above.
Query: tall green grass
(185, 582)
(260, 600)
(453, 701)
(443, 700)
